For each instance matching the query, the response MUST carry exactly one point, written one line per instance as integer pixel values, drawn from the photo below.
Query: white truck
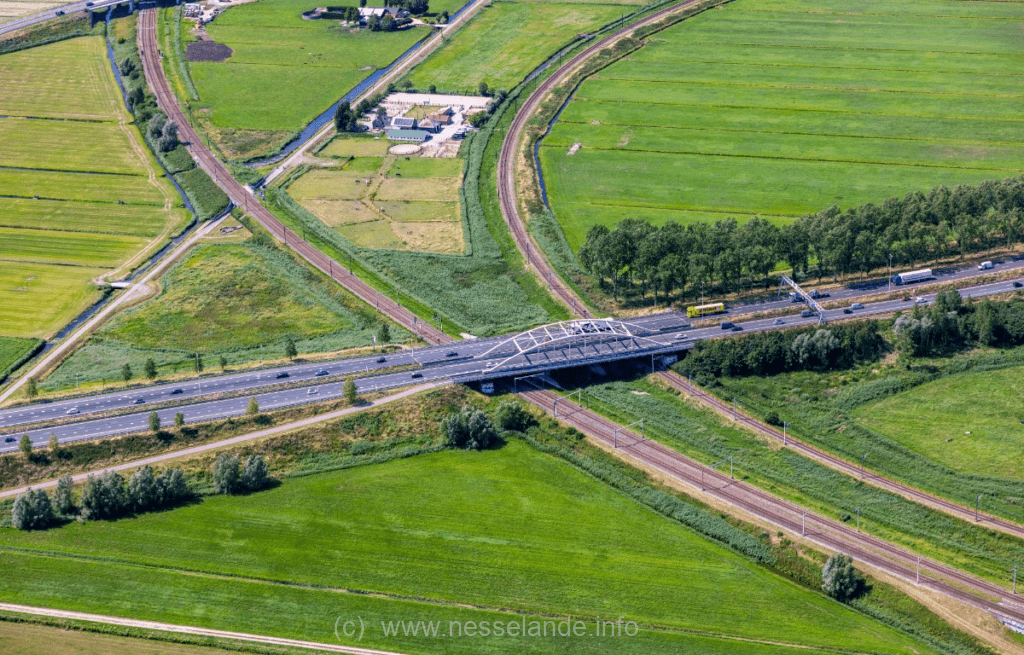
(912, 276)
(984, 266)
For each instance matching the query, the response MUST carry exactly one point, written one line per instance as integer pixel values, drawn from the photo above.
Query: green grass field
(30, 639)
(508, 39)
(233, 299)
(344, 146)
(506, 531)
(393, 203)
(786, 107)
(83, 194)
(284, 71)
(972, 422)
(13, 351)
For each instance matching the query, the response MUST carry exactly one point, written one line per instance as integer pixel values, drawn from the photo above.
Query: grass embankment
(385, 201)
(511, 531)
(510, 38)
(51, 31)
(14, 352)
(284, 72)
(82, 196)
(903, 418)
(241, 301)
(904, 112)
(707, 437)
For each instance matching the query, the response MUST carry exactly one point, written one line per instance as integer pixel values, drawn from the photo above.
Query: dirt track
(242, 197)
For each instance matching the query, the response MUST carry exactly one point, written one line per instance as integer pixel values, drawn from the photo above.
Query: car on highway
(921, 300)
(679, 337)
(451, 353)
(9, 440)
(1018, 284)
(737, 328)
(312, 392)
(726, 325)
(175, 391)
(321, 373)
(779, 321)
(73, 410)
(60, 13)
(806, 313)
(89, 4)
(847, 310)
(417, 374)
(381, 360)
(139, 401)
(283, 374)
(856, 305)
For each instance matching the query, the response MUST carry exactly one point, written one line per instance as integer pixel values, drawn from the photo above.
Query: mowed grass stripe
(781, 121)
(67, 79)
(907, 103)
(68, 248)
(477, 528)
(36, 300)
(67, 145)
(89, 187)
(974, 9)
(71, 216)
(1004, 161)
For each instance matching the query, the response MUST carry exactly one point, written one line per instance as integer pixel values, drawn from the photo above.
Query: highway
(43, 16)
(668, 332)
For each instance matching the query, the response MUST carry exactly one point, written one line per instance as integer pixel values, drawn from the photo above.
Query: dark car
(139, 401)
(847, 310)
(726, 325)
(779, 321)
(283, 374)
(451, 353)
(321, 373)
(175, 392)
(60, 13)
(9, 440)
(1018, 284)
(737, 328)
(89, 4)
(417, 374)
(381, 360)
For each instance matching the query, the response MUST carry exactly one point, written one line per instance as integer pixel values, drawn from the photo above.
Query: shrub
(32, 511)
(839, 579)
(254, 474)
(104, 497)
(171, 488)
(469, 428)
(63, 497)
(142, 490)
(512, 416)
(226, 473)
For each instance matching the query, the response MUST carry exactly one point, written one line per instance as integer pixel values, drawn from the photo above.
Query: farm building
(403, 123)
(416, 136)
(442, 118)
(428, 125)
(380, 122)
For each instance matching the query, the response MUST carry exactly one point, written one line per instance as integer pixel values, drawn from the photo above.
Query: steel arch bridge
(572, 343)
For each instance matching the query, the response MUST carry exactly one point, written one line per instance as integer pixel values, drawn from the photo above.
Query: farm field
(284, 72)
(12, 9)
(392, 202)
(508, 39)
(787, 107)
(83, 196)
(487, 529)
(233, 299)
(12, 351)
(29, 639)
(972, 422)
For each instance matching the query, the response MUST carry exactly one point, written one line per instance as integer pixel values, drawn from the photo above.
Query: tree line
(768, 353)
(951, 324)
(911, 230)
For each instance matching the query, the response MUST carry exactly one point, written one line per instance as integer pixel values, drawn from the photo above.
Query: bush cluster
(231, 477)
(469, 428)
(950, 324)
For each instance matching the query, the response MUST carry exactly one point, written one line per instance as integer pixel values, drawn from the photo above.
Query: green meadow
(284, 72)
(13, 351)
(973, 422)
(787, 107)
(83, 195)
(504, 535)
(508, 39)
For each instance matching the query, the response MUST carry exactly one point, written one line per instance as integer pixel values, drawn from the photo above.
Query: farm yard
(283, 73)
(81, 196)
(471, 536)
(510, 38)
(787, 107)
(237, 300)
(390, 202)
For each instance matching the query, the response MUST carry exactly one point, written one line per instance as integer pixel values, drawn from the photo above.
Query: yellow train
(696, 311)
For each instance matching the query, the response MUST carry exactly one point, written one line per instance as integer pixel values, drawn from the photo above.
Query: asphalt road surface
(43, 16)
(431, 364)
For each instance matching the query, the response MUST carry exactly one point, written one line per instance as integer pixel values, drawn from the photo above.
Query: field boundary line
(188, 629)
(837, 463)
(231, 441)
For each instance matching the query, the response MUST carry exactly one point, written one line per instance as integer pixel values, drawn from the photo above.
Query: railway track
(534, 257)
(839, 464)
(242, 197)
(827, 533)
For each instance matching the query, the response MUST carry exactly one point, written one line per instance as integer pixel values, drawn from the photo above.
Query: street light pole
(890, 271)
(785, 439)
(977, 503)
(862, 460)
